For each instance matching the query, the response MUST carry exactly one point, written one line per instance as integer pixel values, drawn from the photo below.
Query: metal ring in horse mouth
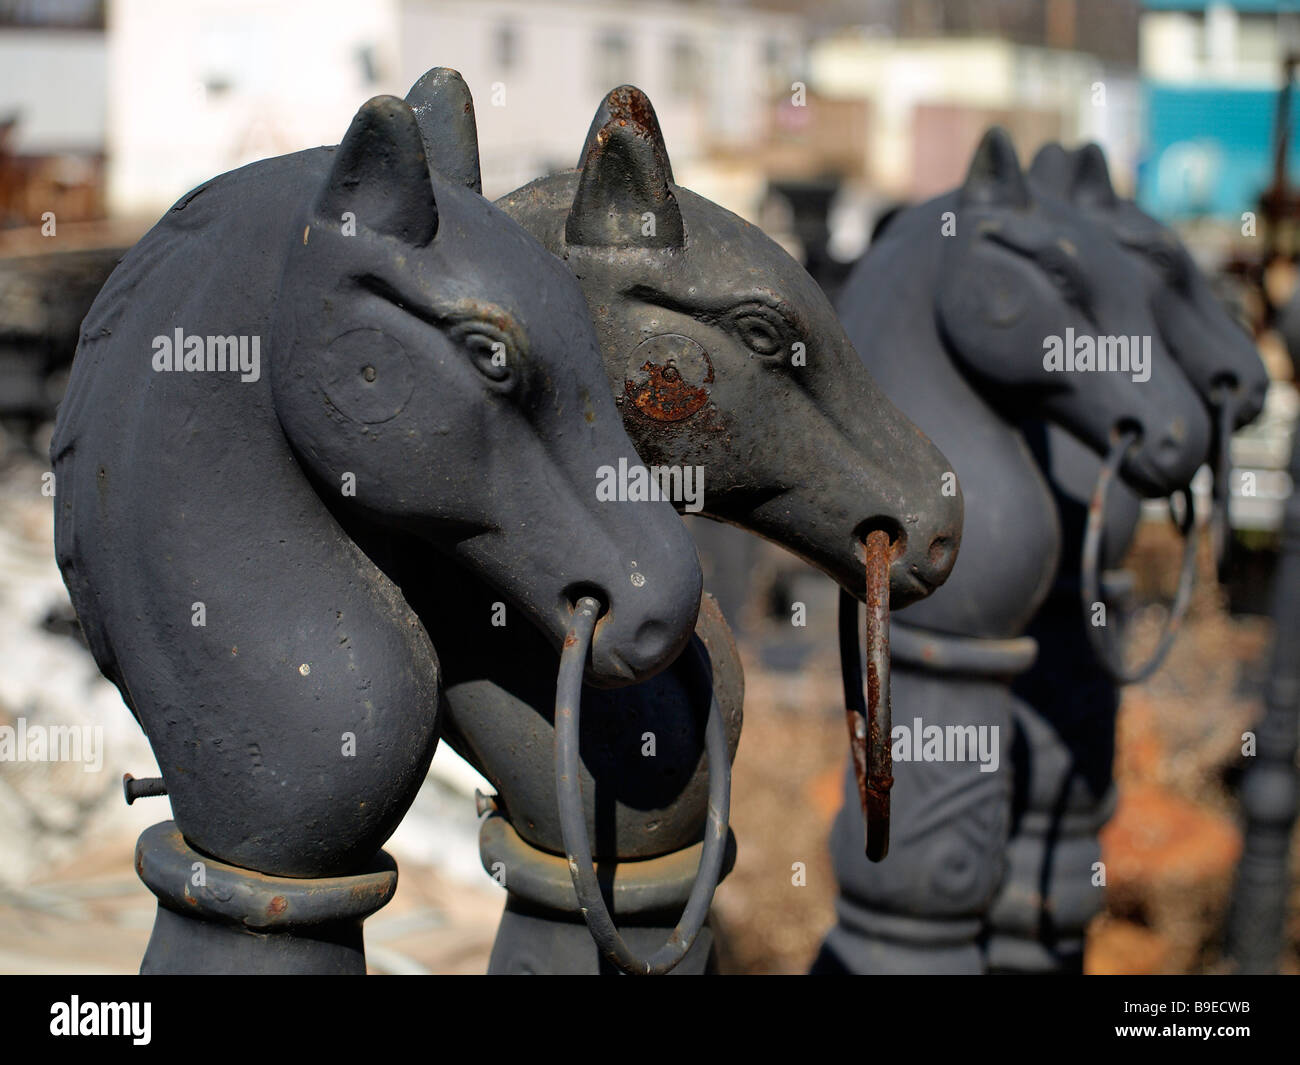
(1108, 653)
(869, 719)
(1226, 403)
(573, 821)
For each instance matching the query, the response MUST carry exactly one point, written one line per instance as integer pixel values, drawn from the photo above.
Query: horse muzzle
(651, 600)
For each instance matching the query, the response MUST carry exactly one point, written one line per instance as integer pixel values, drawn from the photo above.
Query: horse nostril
(652, 642)
(586, 589)
(891, 528)
(940, 555)
(1169, 448)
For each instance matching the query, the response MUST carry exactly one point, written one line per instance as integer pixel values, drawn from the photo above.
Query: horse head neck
(1016, 292)
(1218, 356)
(1051, 319)
(725, 355)
(434, 360)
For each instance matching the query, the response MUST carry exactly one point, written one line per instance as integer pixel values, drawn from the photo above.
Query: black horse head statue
(238, 538)
(1217, 355)
(1004, 320)
(726, 358)
(724, 354)
(1011, 307)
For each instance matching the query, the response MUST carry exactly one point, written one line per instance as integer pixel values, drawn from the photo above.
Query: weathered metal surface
(1217, 355)
(880, 769)
(144, 788)
(248, 922)
(245, 550)
(669, 377)
(635, 888)
(869, 719)
(940, 653)
(780, 361)
(444, 111)
(1270, 790)
(501, 696)
(577, 842)
(1067, 703)
(727, 358)
(971, 285)
(1106, 644)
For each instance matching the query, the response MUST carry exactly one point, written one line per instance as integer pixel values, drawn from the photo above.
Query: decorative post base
(922, 909)
(533, 940)
(542, 930)
(215, 918)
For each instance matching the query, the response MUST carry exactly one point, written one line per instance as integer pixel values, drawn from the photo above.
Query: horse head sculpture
(725, 354)
(1066, 703)
(542, 425)
(1219, 358)
(1217, 355)
(994, 310)
(718, 336)
(1016, 281)
(725, 358)
(238, 545)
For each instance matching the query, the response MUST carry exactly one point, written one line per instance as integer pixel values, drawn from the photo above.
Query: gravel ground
(69, 897)
(70, 901)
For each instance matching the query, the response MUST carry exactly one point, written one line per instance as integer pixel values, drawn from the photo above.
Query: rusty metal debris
(1106, 644)
(573, 820)
(870, 718)
(142, 788)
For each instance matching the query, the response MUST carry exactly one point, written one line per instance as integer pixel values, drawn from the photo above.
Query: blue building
(1211, 71)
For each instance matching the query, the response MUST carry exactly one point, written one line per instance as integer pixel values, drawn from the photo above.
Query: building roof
(1256, 7)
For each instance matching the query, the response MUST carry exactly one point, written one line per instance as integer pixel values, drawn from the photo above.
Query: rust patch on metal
(277, 906)
(871, 748)
(368, 892)
(669, 378)
(629, 106)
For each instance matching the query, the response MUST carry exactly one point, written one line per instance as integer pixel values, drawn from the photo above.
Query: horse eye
(758, 334)
(1169, 263)
(1065, 279)
(490, 354)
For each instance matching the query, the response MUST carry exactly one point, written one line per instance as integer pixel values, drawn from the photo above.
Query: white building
(1193, 43)
(52, 82)
(928, 94)
(198, 88)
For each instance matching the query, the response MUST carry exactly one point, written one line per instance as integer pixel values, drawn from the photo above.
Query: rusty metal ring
(869, 718)
(1108, 653)
(573, 821)
(1226, 404)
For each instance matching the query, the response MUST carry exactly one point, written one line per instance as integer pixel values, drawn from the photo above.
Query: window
(368, 63)
(684, 68)
(776, 63)
(505, 47)
(613, 60)
(49, 14)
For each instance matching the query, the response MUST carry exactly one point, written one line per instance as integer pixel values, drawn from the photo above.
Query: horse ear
(380, 175)
(1051, 169)
(995, 178)
(627, 103)
(444, 111)
(624, 198)
(1091, 186)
